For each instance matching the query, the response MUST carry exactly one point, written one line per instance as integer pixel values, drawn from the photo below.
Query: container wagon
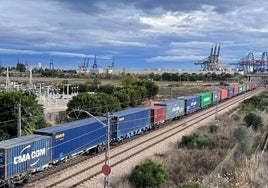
(205, 99)
(216, 96)
(127, 123)
(247, 86)
(224, 94)
(75, 137)
(230, 92)
(158, 115)
(235, 90)
(23, 155)
(253, 85)
(192, 103)
(174, 108)
(240, 89)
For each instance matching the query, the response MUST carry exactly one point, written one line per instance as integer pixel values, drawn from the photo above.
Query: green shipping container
(240, 89)
(205, 99)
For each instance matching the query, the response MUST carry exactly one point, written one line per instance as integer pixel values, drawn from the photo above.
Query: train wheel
(11, 184)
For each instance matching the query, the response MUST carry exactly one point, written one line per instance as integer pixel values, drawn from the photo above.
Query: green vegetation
(4, 135)
(109, 98)
(129, 79)
(97, 105)
(123, 97)
(31, 113)
(148, 174)
(151, 88)
(191, 185)
(244, 138)
(198, 77)
(259, 102)
(197, 141)
(213, 128)
(253, 120)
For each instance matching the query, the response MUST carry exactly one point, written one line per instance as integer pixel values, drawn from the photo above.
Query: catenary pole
(107, 153)
(19, 121)
(107, 147)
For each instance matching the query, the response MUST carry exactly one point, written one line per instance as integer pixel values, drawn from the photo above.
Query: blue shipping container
(230, 92)
(127, 123)
(175, 108)
(192, 103)
(216, 95)
(248, 86)
(74, 137)
(24, 154)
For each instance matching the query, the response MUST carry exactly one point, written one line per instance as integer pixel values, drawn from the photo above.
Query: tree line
(57, 73)
(99, 99)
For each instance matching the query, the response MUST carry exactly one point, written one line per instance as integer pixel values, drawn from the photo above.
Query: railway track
(85, 173)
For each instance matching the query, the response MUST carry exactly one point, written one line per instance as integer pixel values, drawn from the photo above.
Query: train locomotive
(22, 156)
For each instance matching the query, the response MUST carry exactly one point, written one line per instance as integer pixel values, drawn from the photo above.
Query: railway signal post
(106, 168)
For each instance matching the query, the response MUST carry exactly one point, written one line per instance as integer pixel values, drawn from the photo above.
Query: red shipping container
(158, 114)
(251, 85)
(224, 94)
(235, 90)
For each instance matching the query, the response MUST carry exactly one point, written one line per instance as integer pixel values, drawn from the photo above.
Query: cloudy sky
(169, 34)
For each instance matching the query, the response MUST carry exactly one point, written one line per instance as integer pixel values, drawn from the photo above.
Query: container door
(2, 164)
(113, 127)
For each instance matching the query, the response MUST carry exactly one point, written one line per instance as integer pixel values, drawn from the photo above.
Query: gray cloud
(153, 30)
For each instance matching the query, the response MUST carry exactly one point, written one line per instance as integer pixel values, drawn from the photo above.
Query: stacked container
(74, 137)
(205, 99)
(192, 103)
(158, 114)
(240, 89)
(174, 108)
(127, 123)
(248, 86)
(253, 85)
(216, 96)
(235, 90)
(24, 154)
(224, 94)
(230, 92)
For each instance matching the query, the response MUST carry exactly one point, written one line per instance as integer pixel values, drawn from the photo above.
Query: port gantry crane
(250, 65)
(212, 62)
(51, 64)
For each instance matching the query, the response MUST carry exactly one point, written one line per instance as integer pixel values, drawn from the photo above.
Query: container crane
(251, 65)
(211, 63)
(111, 67)
(51, 64)
(95, 68)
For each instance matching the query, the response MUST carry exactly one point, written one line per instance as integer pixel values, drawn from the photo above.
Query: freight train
(22, 156)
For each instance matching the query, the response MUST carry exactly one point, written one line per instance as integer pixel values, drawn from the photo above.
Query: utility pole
(68, 95)
(217, 101)
(171, 92)
(107, 171)
(19, 121)
(245, 89)
(216, 113)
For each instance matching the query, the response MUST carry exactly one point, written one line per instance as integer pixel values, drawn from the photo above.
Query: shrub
(197, 141)
(148, 174)
(236, 117)
(213, 128)
(243, 136)
(253, 120)
(191, 185)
